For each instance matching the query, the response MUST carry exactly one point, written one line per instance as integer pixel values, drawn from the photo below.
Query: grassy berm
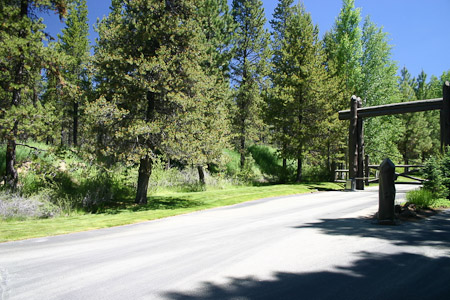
(160, 205)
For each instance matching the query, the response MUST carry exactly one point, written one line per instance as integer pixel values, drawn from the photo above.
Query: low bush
(64, 182)
(437, 174)
(315, 173)
(422, 198)
(14, 206)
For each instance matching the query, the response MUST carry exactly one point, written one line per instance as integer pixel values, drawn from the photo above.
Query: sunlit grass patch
(159, 206)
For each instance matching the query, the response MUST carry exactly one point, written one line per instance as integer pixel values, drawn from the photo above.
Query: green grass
(421, 198)
(424, 198)
(160, 206)
(441, 203)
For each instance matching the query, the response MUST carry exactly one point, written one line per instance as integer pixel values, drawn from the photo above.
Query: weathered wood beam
(353, 139)
(399, 166)
(394, 108)
(445, 116)
(360, 150)
(366, 169)
(410, 177)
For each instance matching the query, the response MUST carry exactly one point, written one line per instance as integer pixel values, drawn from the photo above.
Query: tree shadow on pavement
(374, 276)
(371, 276)
(430, 232)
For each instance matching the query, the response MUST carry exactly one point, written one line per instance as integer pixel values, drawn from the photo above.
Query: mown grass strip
(159, 206)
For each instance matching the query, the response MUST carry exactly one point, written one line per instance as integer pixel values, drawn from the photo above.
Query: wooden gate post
(352, 139)
(386, 202)
(360, 148)
(445, 116)
(366, 169)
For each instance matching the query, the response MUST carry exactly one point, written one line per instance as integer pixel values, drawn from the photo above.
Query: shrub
(437, 173)
(315, 173)
(14, 206)
(422, 198)
(434, 176)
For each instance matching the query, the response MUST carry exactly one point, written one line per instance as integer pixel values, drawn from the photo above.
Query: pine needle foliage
(154, 96)
(249, 69)
(297, 106)
(22, 57)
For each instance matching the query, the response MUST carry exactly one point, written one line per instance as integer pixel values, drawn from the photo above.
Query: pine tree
(153, 90)
(298, 95)
(414, 130)
(275, 97)
(430, 90)
(249, 69)
(23, 56)
(75, 45)
(218, 26)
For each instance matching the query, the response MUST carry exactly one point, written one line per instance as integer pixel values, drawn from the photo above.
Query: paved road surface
(315, 246)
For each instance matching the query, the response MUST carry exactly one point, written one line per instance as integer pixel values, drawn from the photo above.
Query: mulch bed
(410, 213)
(407, 212)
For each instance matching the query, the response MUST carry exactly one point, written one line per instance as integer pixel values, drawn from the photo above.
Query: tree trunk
(298, 178)
(242, 151)
(11, 176)
(284, 171)
(145, 170)
(75, 124)
(201, 175)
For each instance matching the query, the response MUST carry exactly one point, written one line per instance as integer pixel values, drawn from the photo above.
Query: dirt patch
(410, 212)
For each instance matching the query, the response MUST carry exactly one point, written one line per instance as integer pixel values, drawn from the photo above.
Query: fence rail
(341, 175)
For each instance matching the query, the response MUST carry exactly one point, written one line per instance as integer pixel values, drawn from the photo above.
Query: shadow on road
(399, 276)
(372, 276)
(431, 232)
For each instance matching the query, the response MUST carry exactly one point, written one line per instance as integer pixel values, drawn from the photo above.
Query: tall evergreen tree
(218, 27)
(420, 86)
(23, 56)
(275, 101)
(414, 130)
(298, 95)
(153, 91)
(75, 44)
(249, 69)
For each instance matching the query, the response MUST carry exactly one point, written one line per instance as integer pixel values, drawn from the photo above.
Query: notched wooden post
(445, 116)
(360, 149)
(366, 169)
(386, 202)
(352, 139)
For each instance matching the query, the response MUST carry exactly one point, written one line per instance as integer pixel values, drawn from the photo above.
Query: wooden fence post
(352, 139)
(360, 147)
(445, 116)
(386, 204)
(366, 169)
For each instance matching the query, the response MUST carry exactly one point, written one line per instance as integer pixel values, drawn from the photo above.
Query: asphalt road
(316, 246)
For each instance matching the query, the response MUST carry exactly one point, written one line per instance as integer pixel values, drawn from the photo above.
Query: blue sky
(419, 30)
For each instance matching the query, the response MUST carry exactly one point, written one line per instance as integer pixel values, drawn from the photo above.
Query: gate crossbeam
(394, 108)
(357, 113)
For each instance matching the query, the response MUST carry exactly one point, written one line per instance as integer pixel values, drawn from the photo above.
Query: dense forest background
(197, 92)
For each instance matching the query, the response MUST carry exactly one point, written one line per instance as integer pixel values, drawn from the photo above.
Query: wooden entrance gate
(357, 113)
